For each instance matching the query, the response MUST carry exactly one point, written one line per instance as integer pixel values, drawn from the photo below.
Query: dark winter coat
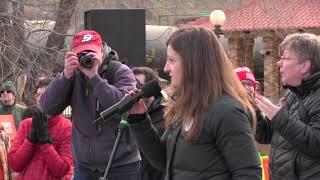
(148, 172)
(294, 134)
(224, 150)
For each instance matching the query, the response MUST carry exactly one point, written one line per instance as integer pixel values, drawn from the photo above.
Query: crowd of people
(206, 125)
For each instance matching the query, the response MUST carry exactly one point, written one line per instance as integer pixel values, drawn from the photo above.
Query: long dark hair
(207, 74)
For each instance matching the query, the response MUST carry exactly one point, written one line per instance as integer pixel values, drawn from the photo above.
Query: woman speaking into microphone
(208, 117)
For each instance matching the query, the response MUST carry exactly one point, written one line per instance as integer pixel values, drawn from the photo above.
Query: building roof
(257, 15)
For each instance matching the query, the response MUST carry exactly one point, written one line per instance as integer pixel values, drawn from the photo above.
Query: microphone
(151, 88)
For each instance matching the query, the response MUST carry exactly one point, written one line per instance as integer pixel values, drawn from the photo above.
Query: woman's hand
(139, 107)
(266, 106)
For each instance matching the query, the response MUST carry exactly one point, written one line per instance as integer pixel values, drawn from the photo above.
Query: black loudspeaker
(123, 30)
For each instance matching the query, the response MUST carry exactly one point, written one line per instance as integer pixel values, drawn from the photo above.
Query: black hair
(43, 82)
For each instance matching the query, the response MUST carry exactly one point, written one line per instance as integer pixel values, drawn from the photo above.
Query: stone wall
(271, 72)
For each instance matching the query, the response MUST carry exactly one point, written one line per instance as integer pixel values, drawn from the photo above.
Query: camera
(85, 60)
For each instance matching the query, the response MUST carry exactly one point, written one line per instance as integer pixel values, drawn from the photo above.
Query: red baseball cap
(86, 40)
(244, 73)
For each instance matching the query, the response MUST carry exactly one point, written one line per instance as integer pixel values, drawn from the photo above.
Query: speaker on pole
(123, 30)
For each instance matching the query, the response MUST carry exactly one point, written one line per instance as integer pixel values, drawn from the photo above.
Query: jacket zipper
(90, 153)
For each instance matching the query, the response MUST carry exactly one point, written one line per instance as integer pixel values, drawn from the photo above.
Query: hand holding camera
(86, 61)
(89, 63)
(70, 65)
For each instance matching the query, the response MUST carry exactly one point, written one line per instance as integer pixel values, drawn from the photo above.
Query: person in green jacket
(8, 102)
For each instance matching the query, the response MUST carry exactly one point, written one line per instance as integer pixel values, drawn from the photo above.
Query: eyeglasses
(285, 58)
(247, 83)
(5, 91)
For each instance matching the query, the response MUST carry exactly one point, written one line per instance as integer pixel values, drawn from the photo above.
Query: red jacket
(43, 162)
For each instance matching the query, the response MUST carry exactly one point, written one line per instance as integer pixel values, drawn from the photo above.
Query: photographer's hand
(90, 73)
(71, 63)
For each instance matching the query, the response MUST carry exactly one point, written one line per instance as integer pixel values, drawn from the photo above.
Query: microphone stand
(123, 123)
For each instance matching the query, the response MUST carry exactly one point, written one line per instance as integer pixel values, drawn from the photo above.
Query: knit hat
(86, 40)
(244, 73)
(9, 86)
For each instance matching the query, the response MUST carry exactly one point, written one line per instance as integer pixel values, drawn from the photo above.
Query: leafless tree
(34, 34)
(32, 45)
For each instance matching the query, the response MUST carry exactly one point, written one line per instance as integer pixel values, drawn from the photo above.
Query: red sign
(7, 122)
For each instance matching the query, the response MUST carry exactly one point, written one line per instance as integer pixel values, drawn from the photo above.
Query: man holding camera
(86, 86)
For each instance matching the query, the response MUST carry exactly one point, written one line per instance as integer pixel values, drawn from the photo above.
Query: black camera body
(85, 60)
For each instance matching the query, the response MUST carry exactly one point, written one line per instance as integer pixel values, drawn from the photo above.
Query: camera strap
(108, 70)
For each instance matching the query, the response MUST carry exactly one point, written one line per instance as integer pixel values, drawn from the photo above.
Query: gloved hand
(39, 133)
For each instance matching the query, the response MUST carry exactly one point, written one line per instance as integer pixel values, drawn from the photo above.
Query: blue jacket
(87, 98)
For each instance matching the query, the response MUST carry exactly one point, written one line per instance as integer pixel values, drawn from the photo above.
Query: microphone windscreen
(151, 88)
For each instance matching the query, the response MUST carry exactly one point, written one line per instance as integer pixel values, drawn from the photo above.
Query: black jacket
(155, 110)
(225, 148)
(295, 141)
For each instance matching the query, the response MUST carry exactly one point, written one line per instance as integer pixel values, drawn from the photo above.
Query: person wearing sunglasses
(9, 102)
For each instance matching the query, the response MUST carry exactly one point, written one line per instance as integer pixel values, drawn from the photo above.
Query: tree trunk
(65, 11)
(4, 39)
(56, 39)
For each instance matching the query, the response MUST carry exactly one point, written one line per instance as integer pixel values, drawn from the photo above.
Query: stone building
(269, 21)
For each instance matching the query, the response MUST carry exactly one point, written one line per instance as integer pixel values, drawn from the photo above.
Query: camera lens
(85, 60)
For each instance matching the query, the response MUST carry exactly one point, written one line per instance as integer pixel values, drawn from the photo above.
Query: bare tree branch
(29, 47)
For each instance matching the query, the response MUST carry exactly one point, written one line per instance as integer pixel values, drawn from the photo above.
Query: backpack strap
(111, 70)
(110, 66)
(109, 73)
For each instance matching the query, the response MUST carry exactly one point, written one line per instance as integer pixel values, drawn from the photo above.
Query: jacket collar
(112, 55)
(155, 105)
(8, 108)
(307, 86)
